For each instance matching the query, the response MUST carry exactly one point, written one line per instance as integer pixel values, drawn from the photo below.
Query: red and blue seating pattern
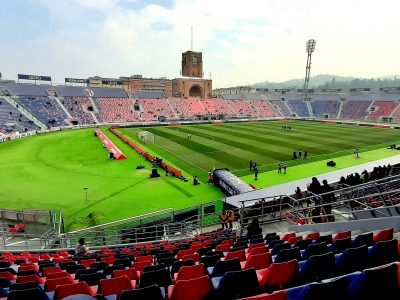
(215, 265)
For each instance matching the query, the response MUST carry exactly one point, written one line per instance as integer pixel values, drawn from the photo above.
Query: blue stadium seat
(351, 260)
(318, 267)
(382, 252)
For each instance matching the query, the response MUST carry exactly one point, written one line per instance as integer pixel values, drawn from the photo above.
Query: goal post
(146, 137)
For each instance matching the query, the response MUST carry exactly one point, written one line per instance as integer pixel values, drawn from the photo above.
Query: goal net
(146, 137)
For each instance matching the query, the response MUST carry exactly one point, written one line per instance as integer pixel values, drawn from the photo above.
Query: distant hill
(328, 81)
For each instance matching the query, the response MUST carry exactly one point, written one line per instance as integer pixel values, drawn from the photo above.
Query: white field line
(209, 152)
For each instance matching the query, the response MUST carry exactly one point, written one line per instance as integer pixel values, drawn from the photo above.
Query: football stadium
(135, 187)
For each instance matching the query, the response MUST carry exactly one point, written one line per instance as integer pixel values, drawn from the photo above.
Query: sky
(243, 42)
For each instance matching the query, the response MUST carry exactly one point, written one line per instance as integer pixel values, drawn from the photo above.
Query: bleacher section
(78, 108)
(241, 107)
(153, 108)
(12, 120)
(187, 107)
(214, 265)
(263, 108)
(299, 107)
(217, 106)
(321, 108)
(112, 110)
(355, 109)
(45, 108)
(281, 106)
(382, 109)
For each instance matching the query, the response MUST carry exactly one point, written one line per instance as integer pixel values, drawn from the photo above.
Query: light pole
(310, 48)
(86, 192)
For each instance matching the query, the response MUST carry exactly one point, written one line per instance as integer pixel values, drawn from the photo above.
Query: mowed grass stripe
(192, 144)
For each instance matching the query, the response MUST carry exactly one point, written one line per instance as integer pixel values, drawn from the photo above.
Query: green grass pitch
(49, 171)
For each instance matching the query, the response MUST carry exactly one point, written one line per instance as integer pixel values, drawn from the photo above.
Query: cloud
(242, 41)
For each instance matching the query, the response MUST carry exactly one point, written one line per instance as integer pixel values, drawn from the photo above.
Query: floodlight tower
(310, 48)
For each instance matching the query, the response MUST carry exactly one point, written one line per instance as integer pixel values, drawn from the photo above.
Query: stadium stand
(217, 106)
(113, 110)
(187, 107)
(282, 107)
(263, 108)
(241, 107)
(355, 109)
(78, 108)
(12, 120)
(148, 95)
(45, 108)
(322, 108)
(154, 108)
(382, 109)
(299, 107)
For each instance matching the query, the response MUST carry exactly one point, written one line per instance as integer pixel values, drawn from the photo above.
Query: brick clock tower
(192, 85)
(192, 64)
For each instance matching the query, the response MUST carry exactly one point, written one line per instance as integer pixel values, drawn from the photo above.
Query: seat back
(314, 249)
(210, 261)
(302, 244)
(258, 250)
(364, 239)
(153, 268)
(131, 273)
(57, 275)
(84, 271)
(279, 275)
(384, 235)
(47, 271)
(259, 261)
(342, 235)
(240, 254)
(334, 289)
(114, 286)
(31, 294)
(139, 266)
(178, 264)
(383, 252)
(160, 277)
(7, 275)
(287, 254)
(51, 284)
(23, 286)
(375, 282)
(318, 267)
(191, 272)
(324, 238)
(351, 260)
(339, 245)
(33, 278)
(151, 292)
(193, 289)
(92, 279)
(238, 284)
(63, 291)
(281, 246)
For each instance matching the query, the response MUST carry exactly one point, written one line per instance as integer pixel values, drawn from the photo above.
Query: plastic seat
(151, 292)
(51, 284)
(167, 261)
(193, 289)
(7, 275)
(223, 266)
(314, 249)
(160, 277)
(312, 235)
(154, 268)
(23, 286)
(195, 257)
(87, 262)
(257, 262)
(178, 264)
(209, 261)
(382, 252)
(131, 273)
(80, 297)
(99, 266)
(236, 254)
(92, 279)
(34, 278)
(47, 271)
(84, 271)
(4, 283)
(63, 291)
(31, 294)
(8, 269)
(236, 284)
(339, 245)
(182, 253)
(257, 250)
(375, 283)
(341, 235)
(27, 273)
(123, 261)
(324, 238)
(190, 272)
(278, 295)
(4, 264)
(288, 235)
(287, 254)
(25, 267)
(351, 260)
(148, 258)
(278, 275)
(277, 248)
(110, 269)
(114, 286)
(384, 235)
(58, 275)
(271, 238)
(363, 239)
(71, 269)
(318, 267)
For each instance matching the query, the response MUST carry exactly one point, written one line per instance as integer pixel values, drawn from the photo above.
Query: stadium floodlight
(310, 48)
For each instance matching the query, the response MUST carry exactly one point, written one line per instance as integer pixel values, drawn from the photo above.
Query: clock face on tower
(194, 60)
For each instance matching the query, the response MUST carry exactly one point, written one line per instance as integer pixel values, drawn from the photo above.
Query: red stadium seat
(257, 261)
(47, 271)
(384, 235)
(80, 288)
(278, 275)
(30, 278)
(341, 235)
(131, 273)
(7, 275)
(239, 254)
(51, 284)
(87, 262)
(190, 272)
(193, 289)
(115, 286)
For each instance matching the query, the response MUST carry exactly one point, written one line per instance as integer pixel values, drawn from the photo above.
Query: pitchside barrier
(110, 145)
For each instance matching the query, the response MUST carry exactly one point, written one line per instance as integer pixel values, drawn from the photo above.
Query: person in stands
(81, 249)
(210, 177)
(231, 218)
(254, 228)
(223, 217)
